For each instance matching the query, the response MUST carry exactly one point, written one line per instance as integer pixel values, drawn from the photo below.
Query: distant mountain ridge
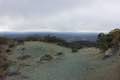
(68, 36)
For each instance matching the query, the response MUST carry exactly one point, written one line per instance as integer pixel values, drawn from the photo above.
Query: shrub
(59, 53)
(3, 40)
(4, 64)
(11, 45)
(104, 41)
(46, 57)
(110, 40)
(74, 50)
(116, 37)
(8, 50)
(24, 57)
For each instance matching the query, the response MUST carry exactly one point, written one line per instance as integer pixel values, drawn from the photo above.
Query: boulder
(108, 54)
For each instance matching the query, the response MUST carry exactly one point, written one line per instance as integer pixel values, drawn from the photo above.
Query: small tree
(104, 41)
(110, 40)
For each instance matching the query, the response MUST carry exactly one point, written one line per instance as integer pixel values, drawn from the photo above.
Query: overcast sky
(59, 15)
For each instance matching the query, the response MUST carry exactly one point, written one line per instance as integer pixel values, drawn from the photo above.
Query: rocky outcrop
(108, 54)
(112, 51)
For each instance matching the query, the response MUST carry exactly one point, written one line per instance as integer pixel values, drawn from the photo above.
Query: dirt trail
(114, 73)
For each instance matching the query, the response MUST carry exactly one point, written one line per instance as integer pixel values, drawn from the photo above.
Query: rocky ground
(45, 61)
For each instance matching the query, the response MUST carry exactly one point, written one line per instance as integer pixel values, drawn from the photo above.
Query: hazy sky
(59, 15)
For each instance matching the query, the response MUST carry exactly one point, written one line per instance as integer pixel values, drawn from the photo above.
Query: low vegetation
(74, 50)
(4, 64)
(24, 57)
(59, 54)
(109, 40)
(46, 57)
(74, 45)
(104, 42)
(4, 50)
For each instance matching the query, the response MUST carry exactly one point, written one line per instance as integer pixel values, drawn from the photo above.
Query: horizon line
(55, 31)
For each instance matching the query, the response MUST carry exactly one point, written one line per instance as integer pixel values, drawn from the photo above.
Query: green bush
(110, 40)
(8, 50)
(104, 41)
(74, 50)
(46, 57)
(59, 53)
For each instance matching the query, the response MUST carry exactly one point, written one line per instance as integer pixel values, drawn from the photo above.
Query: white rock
(108, 52)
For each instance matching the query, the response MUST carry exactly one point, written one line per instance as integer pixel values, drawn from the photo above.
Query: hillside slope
(86, 64)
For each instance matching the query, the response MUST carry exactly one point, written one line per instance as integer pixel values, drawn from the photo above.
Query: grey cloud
(59, 15)
(38, 7)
